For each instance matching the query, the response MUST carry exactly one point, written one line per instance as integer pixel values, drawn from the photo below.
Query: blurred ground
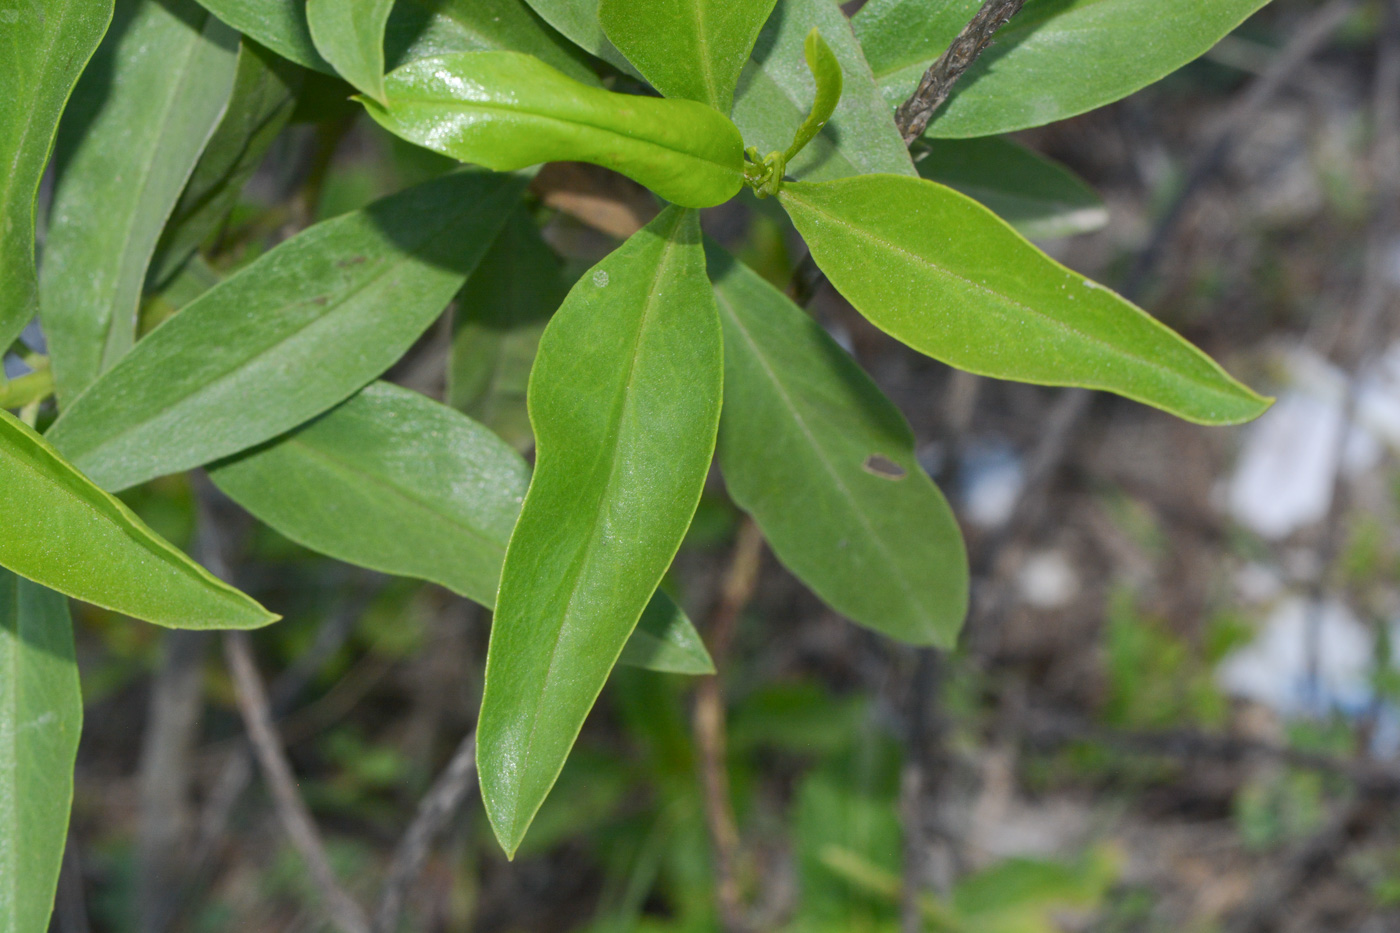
(1174, 709)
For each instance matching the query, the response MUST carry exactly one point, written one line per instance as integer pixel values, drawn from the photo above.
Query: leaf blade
(692, 49)
(801, 422)
(40, 60)
(985, 300)
(41, 715)
(67, 534)
(617, 479)
(139, 118)
(246, 361)
(1033, 74)
(351, 37)
(507, 111)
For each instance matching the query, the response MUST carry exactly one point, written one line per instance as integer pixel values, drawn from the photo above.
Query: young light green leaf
(66, 533)
(625, 400)
(691, 49)
(42, 51)
(826, 71)
(578, 21)
(41, 717)
(297, 331)
(351, 37)
(825, 464)
(396, 482)
(139, 118)
(1040, 198)
(262, 101)
(938, 271)
(1055, 59)
(428, 28)
(777, 89)
(506, 111)
(500, 316)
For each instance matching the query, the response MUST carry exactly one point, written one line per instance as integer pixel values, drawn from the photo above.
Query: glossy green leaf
(938, 271)
(139, 118)
(428, 28)
(41, 718)
(500, 316)
(1055, 59)
(691, 49)
(64, 532)
(43, 48)
(292, 334)
(396, 482)
(625, 401)
(825, 464)
(350, 35)
(578, 21)
(776, 91)
(262, 101)
(1040, 198)
(507, 111)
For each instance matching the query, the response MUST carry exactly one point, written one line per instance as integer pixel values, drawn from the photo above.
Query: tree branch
(291, 809)
(435, 811)
(914, 114)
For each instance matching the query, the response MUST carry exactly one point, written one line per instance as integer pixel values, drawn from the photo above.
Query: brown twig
(292, 811)
(737, 590)
(914, 114)
(435, 811)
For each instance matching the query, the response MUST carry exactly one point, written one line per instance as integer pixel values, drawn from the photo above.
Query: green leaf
(351, 37)
(41, 718)
(428, 28)
(506, 111)
(43, 49)
(665, 640)
(396, 482)
(64, 532)
(139, 118)
(692, 49)
(1040, 198)
(578, 21)
(393, 481)
(1055, 59)
(278, 24)
(826, 71)
(500, 316)
(776, 91)
(625, 399)
(938, 271)
(262, 101)
(825, 464)
(292, 334)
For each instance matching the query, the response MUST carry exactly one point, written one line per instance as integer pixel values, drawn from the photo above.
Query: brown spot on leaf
(883, 467)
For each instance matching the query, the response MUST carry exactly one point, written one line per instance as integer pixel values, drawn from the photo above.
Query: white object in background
(991, 476)
(1284, 477)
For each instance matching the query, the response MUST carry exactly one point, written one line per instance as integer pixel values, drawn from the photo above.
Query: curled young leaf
(42, 51)
(64, 532)
(943, 274)
(41, 717)
(507, 111)
(691, 49)
(625, 399)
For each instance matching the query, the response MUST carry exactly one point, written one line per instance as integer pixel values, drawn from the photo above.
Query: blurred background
(1176, 706)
